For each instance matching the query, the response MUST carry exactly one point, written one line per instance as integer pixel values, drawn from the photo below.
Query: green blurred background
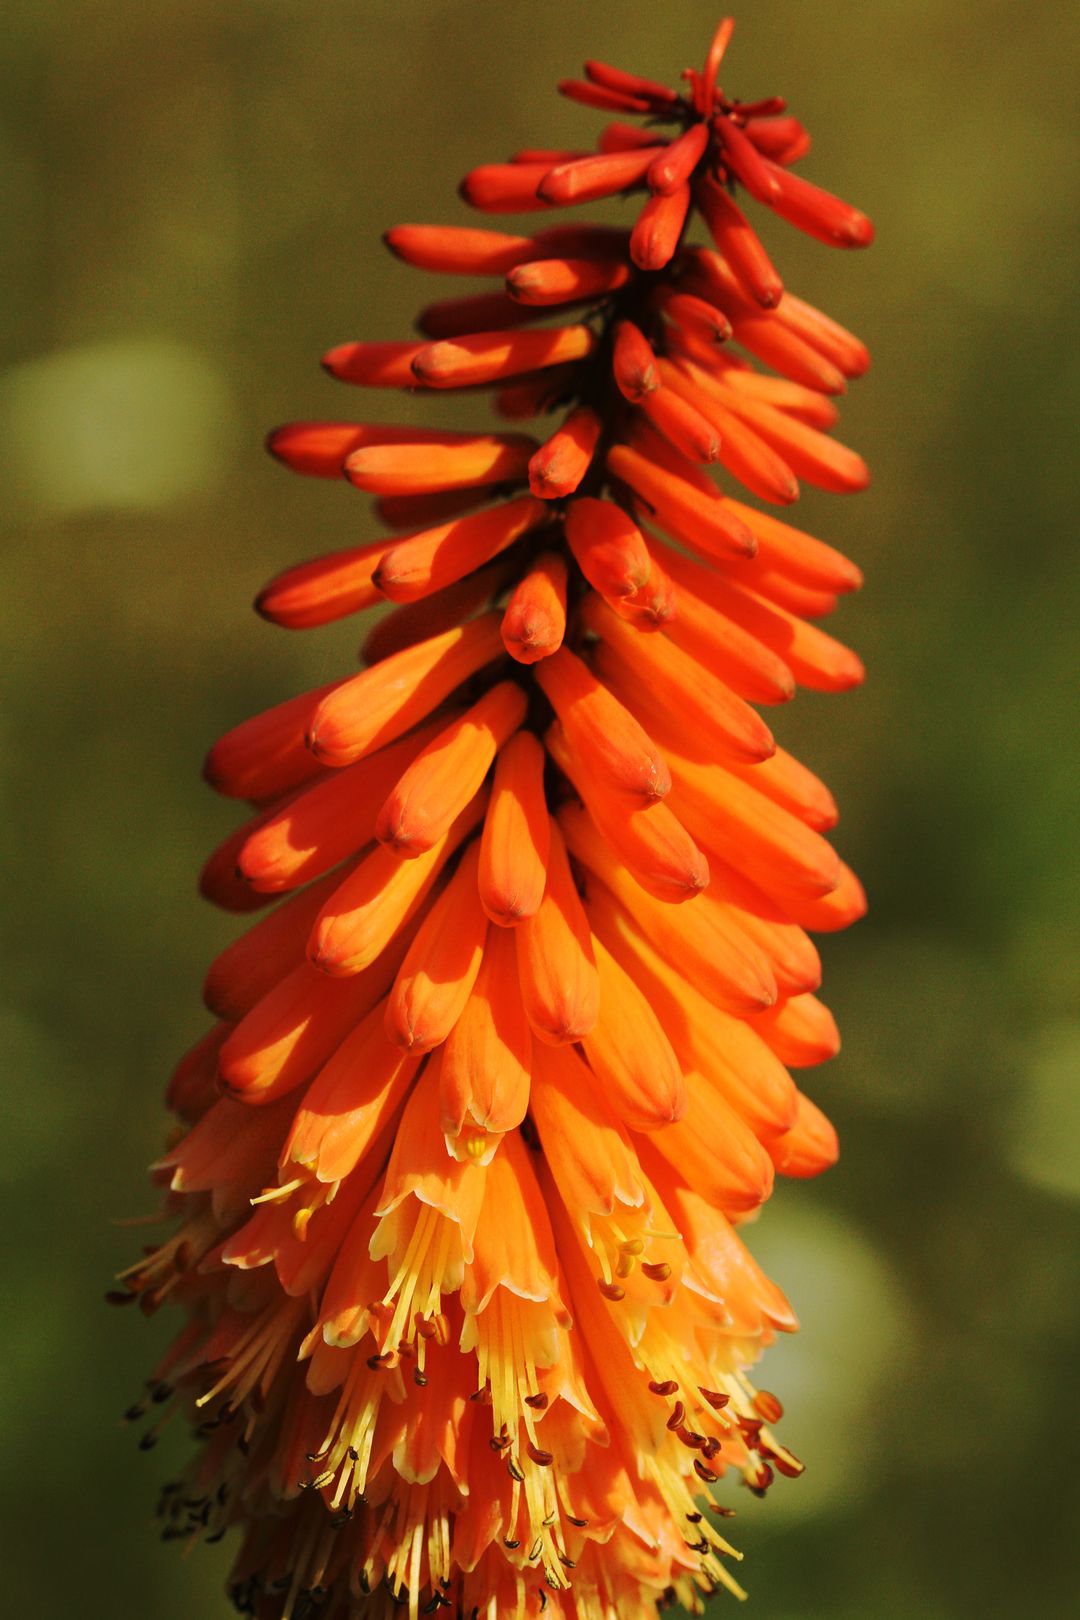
(192, 194)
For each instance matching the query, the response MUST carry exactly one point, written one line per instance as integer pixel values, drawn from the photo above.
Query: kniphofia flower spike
(501, 1061)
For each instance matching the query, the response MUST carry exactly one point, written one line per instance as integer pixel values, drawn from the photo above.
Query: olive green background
(192, 193)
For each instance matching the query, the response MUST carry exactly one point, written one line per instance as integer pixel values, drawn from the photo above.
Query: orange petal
(369, 710)
(738, 243)
(768, 845)
(485, 1064)
(486, 356)
(436, 787)
(677, 162)
(365, 911)
(679, 420)
(323, 824)
(514, 1247)
(558, 466)
(517, 833)
(246, 970)
(726, 1050)
(705, 522)
(554, 953)
(659, 226)
(295, 1027)
(714, 954)
(654, 674)
(265, 756)
(440, 967)
(801, 1031)
(607, 547)
(600, 729)
(349, 1103)
(737, 658)
(651, 841)
(458, 249)
(589, 1152)
(426, 562)
(633, 362)
(630, 1053)
(590, 178)
(715, 1152)
(323, 589)
(457, 461)
(534, 622)
(505, 188)
(543, 282)
(373, 365)
(809, 1147)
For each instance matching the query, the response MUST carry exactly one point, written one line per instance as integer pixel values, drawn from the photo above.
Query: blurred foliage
(192, 195)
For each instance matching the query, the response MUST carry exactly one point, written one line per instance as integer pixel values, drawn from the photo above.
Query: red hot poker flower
(505, 1061)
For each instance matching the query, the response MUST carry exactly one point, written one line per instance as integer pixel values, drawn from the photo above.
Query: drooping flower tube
(501, 1060)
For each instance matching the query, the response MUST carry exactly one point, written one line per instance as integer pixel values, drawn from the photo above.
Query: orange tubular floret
(590, 178)
(454, 461)
(630, 1053)
(257, 959)
(713, 952)
(659, 672)
(801, 1031)
(484, 1067)
(423, 563)
(435, 980)
(322, 590)
(704, 522)
(373, 708)
(365, 911)
(432, 615)
(738, 244)
(487, 356)
(652, 841)
(696, 317)
(809, 1147)
(374, 365)
(716, 1153)
(811, 455)
(556, 968)
(799, 555)
(599, 728)
(435, 788)
(815, 659)
(558, 466)
(561, 281)
(773, 848)
(294, 1028)
(458, 249)
(736, 657)
(607, 547)
(265, 756)
(680, 421)
(725, 1049)
(659, 226)
(326, 822)
(677, 163)
(517, 831)
(478, 312)
(634, 363)
(350, 1101)
(505, 188)
(534, 623)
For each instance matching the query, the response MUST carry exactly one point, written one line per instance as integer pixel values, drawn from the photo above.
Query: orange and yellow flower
(504, 1062)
